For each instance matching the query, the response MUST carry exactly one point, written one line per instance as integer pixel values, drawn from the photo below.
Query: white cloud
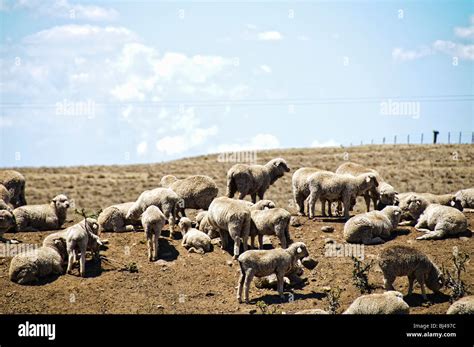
(401, 55)
(270, 36)
(266, 68)
(302, 38)
(258, 142)
(142, 148)
(463, 52)
(329, 143)
(466, 32)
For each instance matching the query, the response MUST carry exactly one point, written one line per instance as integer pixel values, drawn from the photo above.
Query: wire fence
(435, 137)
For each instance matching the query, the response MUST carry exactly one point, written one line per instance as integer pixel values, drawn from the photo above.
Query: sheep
(435, 220)
(382, 195)
(386, 303)
(5, 196)
(315, 311)
(14, 182)
(197, 191)
(42, 217)
(444, 199)
(373, 227)
(254, 180)
(261, 263)
(79, 238)
(335, 187)
(466, 197)
(194, 240)
(462, 306)
(275, 221)
(7, 222)
(113, 218)
(163, 198)
(153, 221)
(398, 261)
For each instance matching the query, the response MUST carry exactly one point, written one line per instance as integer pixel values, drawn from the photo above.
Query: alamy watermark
(76, 108)
(8, 250)
(400, 108)
(340, 250)
(238, 157)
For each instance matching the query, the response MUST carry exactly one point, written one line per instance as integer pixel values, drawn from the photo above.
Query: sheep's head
(92, 225)
(371, 181)
(134, 212)
(456, 203)
(435, 279)
(7, 220)
(415, 206)
(167, 180)
(388, 196)
(299, 249)
(263, 204)
(278, 168)
(394, 213)
(61, 202)
(185, 224)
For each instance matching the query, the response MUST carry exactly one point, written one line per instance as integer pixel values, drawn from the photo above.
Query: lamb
(466, 197)
(374, 227)
(79, 238)
(444, 199)
(114, 218)
(261, 263)
(194, 241)
(254, 180)
(163, 198)
(42, 217)
(437, 221)
(197, 191)
(462, 306)
(386, 303)
(153, 221)
(275, 221)
(7, 222)
(382, 195)
(397, 261)
(14, 182)
(335, 187)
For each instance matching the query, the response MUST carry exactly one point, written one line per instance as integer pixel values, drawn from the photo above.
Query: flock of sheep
(438, 216)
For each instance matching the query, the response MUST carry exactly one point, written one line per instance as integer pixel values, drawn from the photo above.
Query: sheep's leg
(240, 286)
(347, 205)
(254, 197)
(245, 240)
(82, 268)
(437, 234)
(224, 241)
(70, 262)
(300, 201)
(280, 232)
(157, 244)
(260, 241)
(424, 230)
(388, 282)
(312, 204)
(252, 241)
(242, 196)
(323, 207)
(248, 280)
(237, 242)
(261, 194)
(281, 282)
(367, 201)
(411, 280)
(329, 208)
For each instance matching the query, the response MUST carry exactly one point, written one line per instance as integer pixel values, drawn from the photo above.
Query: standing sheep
(42, 217)
(462, 306)
(386, 303)
(397, 261)
(262, 263)
(254, 180)
(197, 191)
(337, 187)
(466, 197)
(374, 227)
(114, 218)
(14, 182)
(194, 241)
(7, 222)
(153, 221)
(275, 221)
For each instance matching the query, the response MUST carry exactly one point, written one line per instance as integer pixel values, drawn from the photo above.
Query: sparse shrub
(360, 275)
(265, 309)
(131, 267)
(453, 279)
(333, 295)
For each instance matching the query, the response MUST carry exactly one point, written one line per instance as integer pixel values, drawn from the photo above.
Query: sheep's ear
(397, 213)
(368, 179)
(95, 226)
(299, 250)
(418, 202)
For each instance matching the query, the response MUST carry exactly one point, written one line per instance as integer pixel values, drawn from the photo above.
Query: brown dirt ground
(191, 283)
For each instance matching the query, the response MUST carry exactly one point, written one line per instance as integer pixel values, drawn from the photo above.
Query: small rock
(160, 307)
(464, 238)
(327, 229)
(295, 222)
(8, 295)
(329, 240)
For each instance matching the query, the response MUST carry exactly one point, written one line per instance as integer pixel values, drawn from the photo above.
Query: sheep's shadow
(44, 280)
(270, 299)
(167, 251)
(416, 300)
(322, 219)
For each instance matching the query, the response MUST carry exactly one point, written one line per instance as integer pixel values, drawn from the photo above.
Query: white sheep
(443, 199)
(14, 182)
(7, 222)
(196, 191)
(466, 197)
(254, 180)
(396, 261)
(79, 238)
(194, 241)
(114, 218)
(262, 263)
(373, 227)
(462, 306)
(5, 196)
(153, 221)
(337, 187)
(387, 303)
(275, 221)
(163, 198)
(42, 217)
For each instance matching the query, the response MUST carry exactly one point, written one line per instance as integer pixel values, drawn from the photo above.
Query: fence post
(472, 139)
(449, 138)
(383, 140)
(408, 139)
(395, 140)
(422, 138)
(372, 142)
(460, 137)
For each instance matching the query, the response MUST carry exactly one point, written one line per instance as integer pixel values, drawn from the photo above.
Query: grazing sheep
(79, 238)
(163, 198)
(231, 218)
(153, 221)
(386, 303)
(437, 221)
(275, 221)
(42, 217)
(114, 218)
(382, 195)
(373, 227)
(462, 306)
(466, 197)
(196, 191)
(14, 182)
(194, 241)
(7, 222)
(397, 261)
(254, 180)
(337, 187)
(262, 263)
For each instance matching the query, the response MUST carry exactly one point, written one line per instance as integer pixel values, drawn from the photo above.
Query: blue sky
(138, 82)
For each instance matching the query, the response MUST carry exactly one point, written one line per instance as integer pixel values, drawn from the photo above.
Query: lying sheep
(437, 221)
(5, 196)
(163, 198)
(194, 241)
(261, 263)
(466, 197)
(337, 187)
(14, 182)
(7, 222)
(114, 218)
(254, 180)
(386, 303)
(42, 217)
(153, 221)
(374, 227)
(79, 238)
(202, 223)
(275, 221)
(462, 306)
(382, 195)
(397, 261)
(197, 191)
(443, 199)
